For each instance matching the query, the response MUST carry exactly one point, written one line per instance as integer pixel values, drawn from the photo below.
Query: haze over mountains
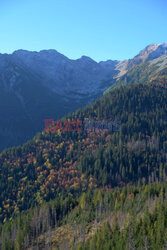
(39, 85)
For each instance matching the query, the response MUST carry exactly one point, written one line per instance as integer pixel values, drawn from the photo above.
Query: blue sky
(101, 29)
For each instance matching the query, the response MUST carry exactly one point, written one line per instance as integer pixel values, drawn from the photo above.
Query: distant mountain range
(38, 85)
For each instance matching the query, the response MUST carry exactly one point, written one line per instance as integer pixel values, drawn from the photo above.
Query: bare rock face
(161, 50)
(62, 75)
(151, 52)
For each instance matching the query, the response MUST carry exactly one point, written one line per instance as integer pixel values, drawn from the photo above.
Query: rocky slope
(151, 52)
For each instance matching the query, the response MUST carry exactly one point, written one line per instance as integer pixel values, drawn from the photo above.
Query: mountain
(151, 52)
(93, 189)
(39, 85)
(47, 85)
(65, 76)
(62, 189)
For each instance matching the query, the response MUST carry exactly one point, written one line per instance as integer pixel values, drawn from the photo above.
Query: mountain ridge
(47, 84)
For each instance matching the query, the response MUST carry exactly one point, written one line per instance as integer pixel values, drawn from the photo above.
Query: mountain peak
(147, 50)
(150, 52)
(22, 52)
(86, 59)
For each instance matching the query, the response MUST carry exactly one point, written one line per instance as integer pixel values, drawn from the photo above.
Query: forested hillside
(53, 181)
(132, 217)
